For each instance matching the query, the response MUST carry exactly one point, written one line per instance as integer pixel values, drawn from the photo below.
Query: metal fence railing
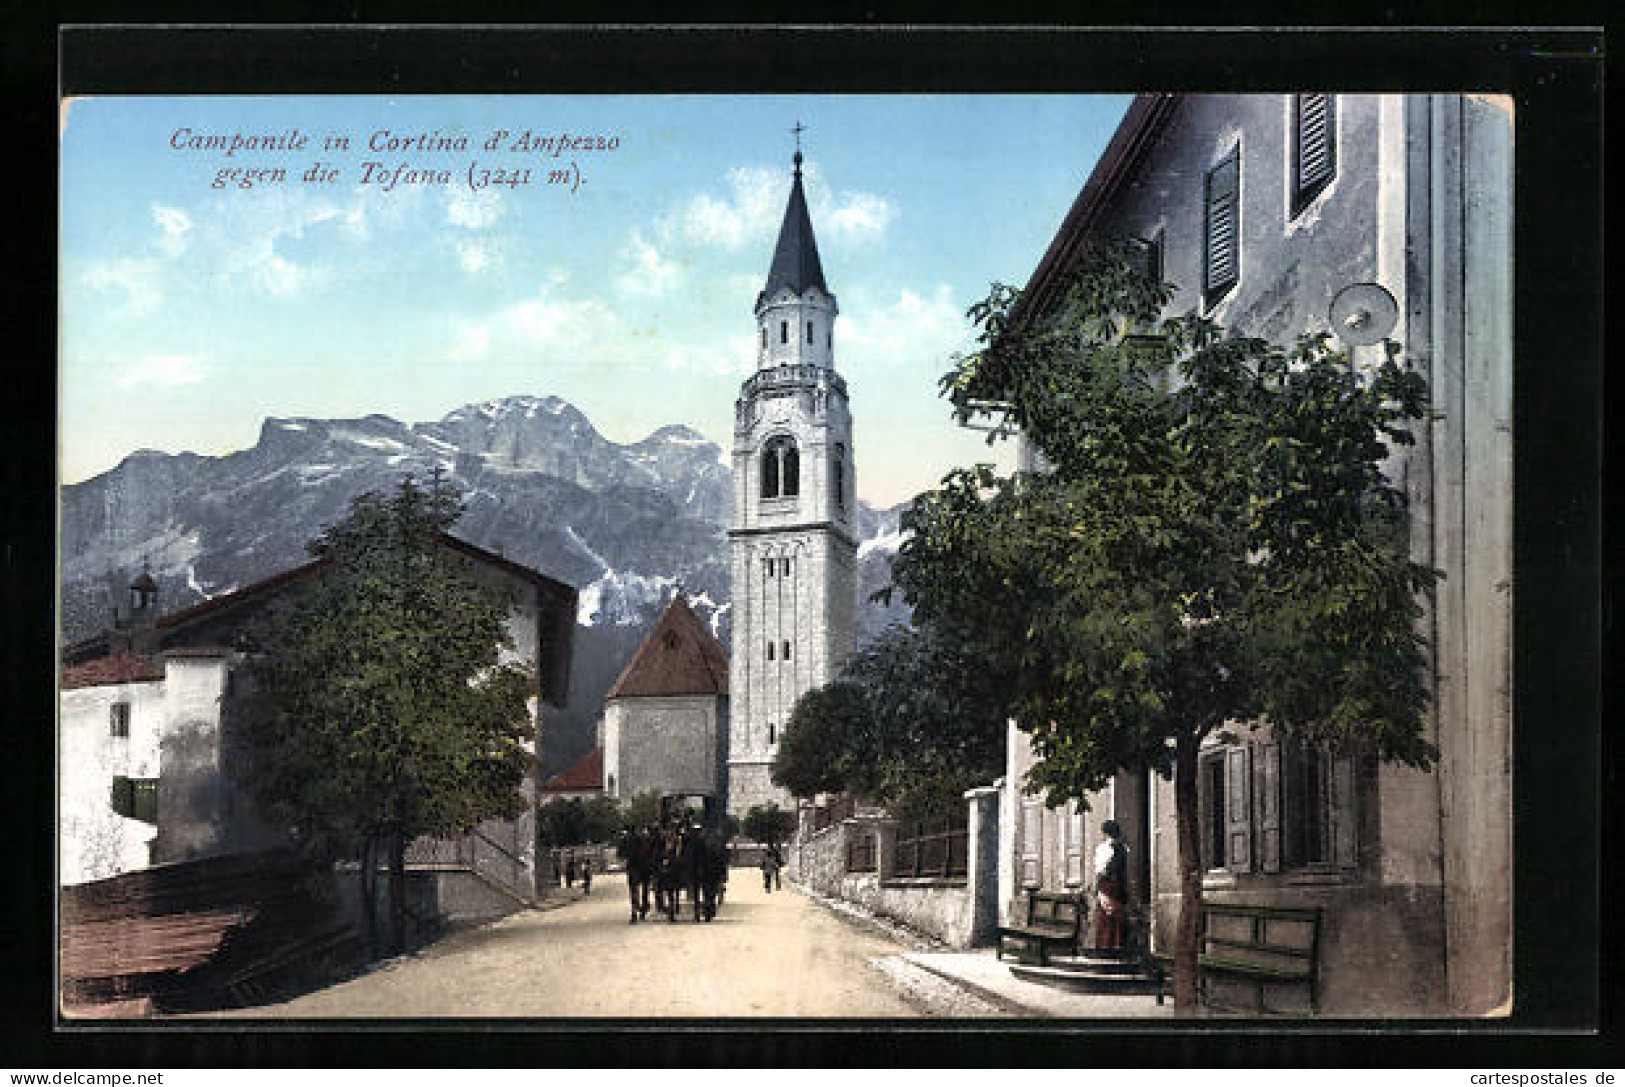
(933, 849)
(477, 852)
(860, 851)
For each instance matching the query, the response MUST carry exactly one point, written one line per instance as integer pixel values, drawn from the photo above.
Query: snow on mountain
(625, 523)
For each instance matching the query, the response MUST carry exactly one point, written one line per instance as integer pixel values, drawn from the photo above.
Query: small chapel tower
(793, 535)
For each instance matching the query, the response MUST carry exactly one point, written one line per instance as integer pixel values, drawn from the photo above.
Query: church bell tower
(793, 536)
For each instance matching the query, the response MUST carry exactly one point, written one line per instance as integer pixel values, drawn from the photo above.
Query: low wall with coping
(961, 912)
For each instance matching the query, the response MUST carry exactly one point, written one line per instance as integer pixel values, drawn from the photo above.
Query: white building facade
(793, 536)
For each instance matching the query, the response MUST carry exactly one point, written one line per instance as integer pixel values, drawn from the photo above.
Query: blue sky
(190, 313)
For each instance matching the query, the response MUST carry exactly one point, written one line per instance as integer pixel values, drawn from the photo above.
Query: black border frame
(1554, 75)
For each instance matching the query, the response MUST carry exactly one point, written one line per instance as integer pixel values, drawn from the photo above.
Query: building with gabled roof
(582, 781)
(149, 765)
(666, 717)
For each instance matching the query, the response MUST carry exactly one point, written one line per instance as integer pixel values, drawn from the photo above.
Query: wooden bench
(1265, 945)
(1052, 919)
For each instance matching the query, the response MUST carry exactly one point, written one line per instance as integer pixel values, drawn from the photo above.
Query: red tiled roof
(678, 657)
(586, 774)
(104, 671)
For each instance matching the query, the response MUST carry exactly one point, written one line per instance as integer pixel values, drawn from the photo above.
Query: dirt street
(776, 954)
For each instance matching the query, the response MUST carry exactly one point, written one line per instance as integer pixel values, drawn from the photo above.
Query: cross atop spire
(795, 258)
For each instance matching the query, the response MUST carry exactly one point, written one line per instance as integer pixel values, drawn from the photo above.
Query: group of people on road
(666, 862)
(571, 868)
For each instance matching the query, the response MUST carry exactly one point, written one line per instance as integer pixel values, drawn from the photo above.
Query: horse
(638, 848)
(671, 875)
(706, 868)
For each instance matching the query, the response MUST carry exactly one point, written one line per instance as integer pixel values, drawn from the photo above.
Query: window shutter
(1343, 811)
(1221, 267)
(1269, 807)
(1238, 852)
(1315, 148)
(1074, 846)
(144, 800)
(1032, 842)
(123, 797)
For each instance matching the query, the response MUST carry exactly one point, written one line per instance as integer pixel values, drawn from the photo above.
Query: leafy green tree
(562, 821)
(1212, 541)
(824, 742)
(910, 722)
(602, 820)
(768, 823)
(643, 810)
(384, 711)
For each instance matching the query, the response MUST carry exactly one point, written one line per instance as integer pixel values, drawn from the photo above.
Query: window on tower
(784, 650)
(772, 733)
(792, 471)
(770, 649)
(809, 332)
(784, 331)
(764, 336)
(781, 468)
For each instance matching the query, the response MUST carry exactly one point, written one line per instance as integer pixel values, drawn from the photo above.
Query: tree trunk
(397, 891)
(1188, 816)
(368, 872)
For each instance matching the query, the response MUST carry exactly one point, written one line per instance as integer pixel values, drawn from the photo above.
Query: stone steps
(1090, 972)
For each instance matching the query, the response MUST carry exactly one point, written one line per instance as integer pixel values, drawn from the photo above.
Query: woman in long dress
(1111, 888)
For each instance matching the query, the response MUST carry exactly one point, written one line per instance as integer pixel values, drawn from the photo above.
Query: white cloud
(857, 217)
(163, 371)
(137, 279)
(476, 254)
(473, 210)
(750, 210)
(564, 329)
(649, 273)
(173, 226)
(912, 329)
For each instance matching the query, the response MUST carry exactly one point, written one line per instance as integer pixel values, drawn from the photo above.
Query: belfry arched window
(781, 469)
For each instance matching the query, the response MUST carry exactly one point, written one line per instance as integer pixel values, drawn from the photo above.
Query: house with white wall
(149, 767)
(1261, 210)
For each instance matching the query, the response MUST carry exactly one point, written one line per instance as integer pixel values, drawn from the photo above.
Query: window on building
(770, 649)
(764, 335)
(136, 798)
(1221, 263)
(784, 650)
(792, 471)
(784, 567)
(772, 733)
(1314, 146)
(781, 469)
(809, 332)
(1273, 807)
(784, 331)
(1151, 252)
(767, 564)
(118, 719)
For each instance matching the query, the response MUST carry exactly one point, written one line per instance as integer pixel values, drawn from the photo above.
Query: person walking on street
(570, 870)
(769, 871)
(586, 875)
(778, 867)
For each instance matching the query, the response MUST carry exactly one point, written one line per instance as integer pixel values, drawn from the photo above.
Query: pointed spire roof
(795, 258)
(678, 657)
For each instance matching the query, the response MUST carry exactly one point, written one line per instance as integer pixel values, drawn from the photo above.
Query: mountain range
(625, 524)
